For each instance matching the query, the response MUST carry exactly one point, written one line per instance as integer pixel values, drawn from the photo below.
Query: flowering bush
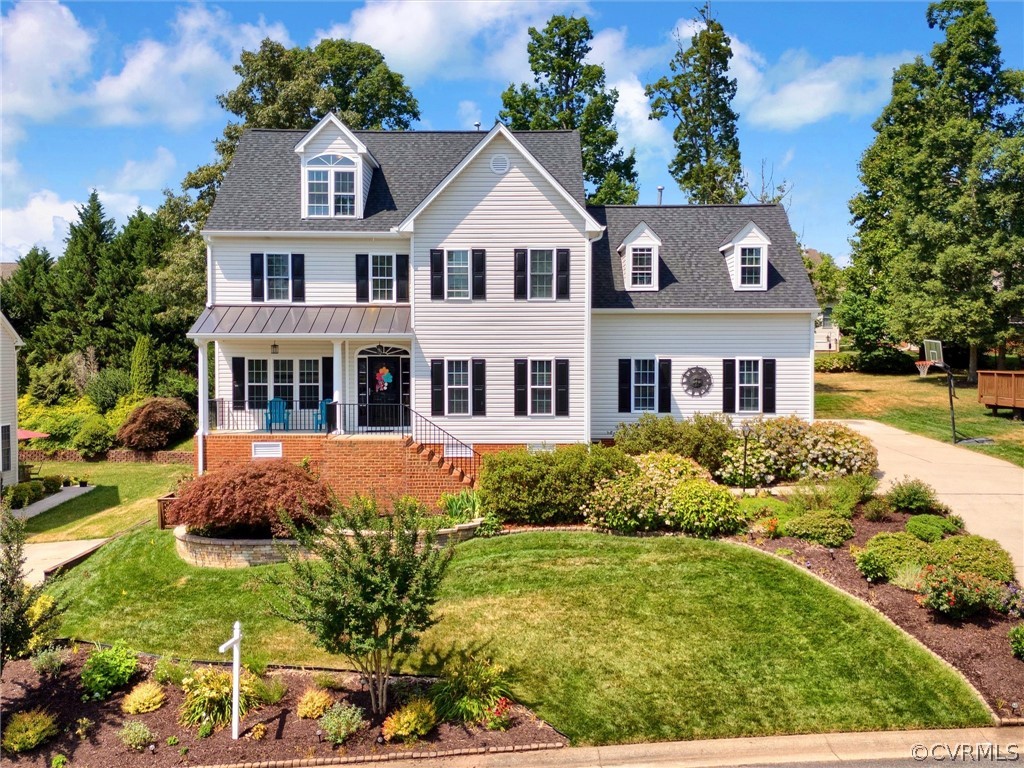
(954, 594)
(1011, 601)
(701, 508)
(636, 501)
(1017, 641)
(836, 362)
(499, 716)
(790, 448)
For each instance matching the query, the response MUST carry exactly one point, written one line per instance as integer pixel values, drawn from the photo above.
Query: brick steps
(431, 456)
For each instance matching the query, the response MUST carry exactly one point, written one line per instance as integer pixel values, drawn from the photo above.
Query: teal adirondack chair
(277, 414)
(320, 420)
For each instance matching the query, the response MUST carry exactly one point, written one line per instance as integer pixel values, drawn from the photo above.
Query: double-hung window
(284, 380)
(457, 274)
(256, 378)
(331, 186)
(748, 386)
(645, 380)
(541, 386)
(542, 273)
(642, 268)
(5, 448)
(309, 383)
(278, 276)
(382, 277)
(458, 387)
(750, 266)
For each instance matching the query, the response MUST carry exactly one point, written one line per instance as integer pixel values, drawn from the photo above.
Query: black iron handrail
(460, 454)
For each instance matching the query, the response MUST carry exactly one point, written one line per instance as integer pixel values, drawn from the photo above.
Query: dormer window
(746, 258)
(331, 186)
(639, 256)
(750, 267)
(642, 271)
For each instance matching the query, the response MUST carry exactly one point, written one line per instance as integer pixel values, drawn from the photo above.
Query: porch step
(446, 466)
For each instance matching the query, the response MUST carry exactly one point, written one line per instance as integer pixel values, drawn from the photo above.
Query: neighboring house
(826, 332)
(9, 343)
(455, 287)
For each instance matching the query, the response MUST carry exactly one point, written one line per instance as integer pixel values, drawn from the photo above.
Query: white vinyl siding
(9, 402)
(480, 209)
(703, 340)
(330, 264)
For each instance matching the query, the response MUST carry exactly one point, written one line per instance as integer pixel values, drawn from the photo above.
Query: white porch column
(204, 404)
(337, 386)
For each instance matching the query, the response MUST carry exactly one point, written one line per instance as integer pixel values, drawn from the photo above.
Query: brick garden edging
(115, 455)
(390, 757)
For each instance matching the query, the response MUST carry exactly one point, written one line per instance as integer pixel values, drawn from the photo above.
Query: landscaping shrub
(956, 594)
(973, 554)
(207, 700)
(118, 415)
(701, 508)
(1011, 602)
(167, 671)
(1017, 641)
(836, 362)
(648, 434)
(410, 723)
(840, 495)
(143, 374)
(52, 383)
(156, 423)
(94, 437)
(703, 438)
(27, 730)
(912, 496)
(51, 483)
(107, 387)
(48, 662)
(885, 553)
(885, 360)
(498, 717)
(835, 449)
(637, 500)
(907, 577)
(931, 528)
(177, 384)
(876, 510)
(546, 488)
(313, 703)
(467, 688)
(341, 721)
(136, 735)
(62, 422)
(270, 690)
(245, 501)
(147, 696)
(107, 669)
(822, 527)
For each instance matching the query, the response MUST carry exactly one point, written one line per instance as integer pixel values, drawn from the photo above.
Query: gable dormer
(639, 254)
(336, 171)
(746, 258)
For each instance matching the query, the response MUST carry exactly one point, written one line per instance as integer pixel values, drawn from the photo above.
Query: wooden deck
(1002, 389)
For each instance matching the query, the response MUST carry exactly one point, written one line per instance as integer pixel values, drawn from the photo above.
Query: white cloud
(174, 82)
(468, 114)
(146, 174)
(45, 52)
(42, 221)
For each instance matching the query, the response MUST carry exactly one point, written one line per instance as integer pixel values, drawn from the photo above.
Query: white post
(235, 643)
(339, 426)
(204, 405)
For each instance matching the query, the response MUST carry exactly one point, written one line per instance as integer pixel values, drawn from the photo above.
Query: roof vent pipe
(477, 125)
(660, 190)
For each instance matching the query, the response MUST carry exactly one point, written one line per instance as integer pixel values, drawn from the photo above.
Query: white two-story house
(368, 289)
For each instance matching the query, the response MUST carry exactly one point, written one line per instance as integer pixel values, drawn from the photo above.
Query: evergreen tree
(699, 96)
(23, 294)
(571, 95)
(144, 371)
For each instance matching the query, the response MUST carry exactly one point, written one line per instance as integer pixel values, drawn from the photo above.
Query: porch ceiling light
(274, 348)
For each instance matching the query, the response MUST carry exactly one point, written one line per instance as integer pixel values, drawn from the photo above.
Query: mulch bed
(287, 737)
(978, 647)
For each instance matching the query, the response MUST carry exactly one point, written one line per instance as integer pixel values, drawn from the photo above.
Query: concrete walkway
(988, 493)
(40, 558)
(54, 500)
(823, 749)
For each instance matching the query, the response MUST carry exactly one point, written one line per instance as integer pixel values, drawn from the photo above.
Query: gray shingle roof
(288, 320)
(262, 189)
(692, 272)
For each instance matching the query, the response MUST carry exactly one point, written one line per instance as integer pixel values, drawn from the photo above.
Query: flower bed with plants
(907, 556)
(127, 710)
(21, 495)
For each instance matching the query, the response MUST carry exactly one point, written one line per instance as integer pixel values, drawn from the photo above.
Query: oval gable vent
(500, 164)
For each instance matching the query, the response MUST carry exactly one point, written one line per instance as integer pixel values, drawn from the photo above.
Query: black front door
(383, 391)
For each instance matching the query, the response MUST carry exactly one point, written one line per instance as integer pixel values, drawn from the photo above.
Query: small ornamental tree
(144, 371)
(154, 424)
(369, 589)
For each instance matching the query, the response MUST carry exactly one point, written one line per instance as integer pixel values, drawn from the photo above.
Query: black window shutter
(479, 387)
(520, 272)
(728, 386)
(402, 277)
(479, 273)
(664, 386)
(436, 274)
(256, 274)
(298, 277)
(362, 277)
(437, 387)
(238, 383)
(561, 387)
(327, 378)
(520, 384)
(625, 385)
(768, 389)
(562, 273)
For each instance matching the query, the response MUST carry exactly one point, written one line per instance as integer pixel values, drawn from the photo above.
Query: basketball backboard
(933, 351)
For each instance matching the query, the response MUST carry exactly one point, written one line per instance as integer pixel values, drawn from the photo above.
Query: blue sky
(121, 96)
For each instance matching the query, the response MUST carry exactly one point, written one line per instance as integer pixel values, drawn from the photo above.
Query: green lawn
(611, 639)
(920, 406)
(124, 495)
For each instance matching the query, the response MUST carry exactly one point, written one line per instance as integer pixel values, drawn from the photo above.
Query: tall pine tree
(570, 94)
(699, 96)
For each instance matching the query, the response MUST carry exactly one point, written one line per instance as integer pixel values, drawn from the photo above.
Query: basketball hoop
(923, 366)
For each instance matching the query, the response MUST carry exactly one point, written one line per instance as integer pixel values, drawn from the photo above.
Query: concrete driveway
(988, 493)
(40, 558)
